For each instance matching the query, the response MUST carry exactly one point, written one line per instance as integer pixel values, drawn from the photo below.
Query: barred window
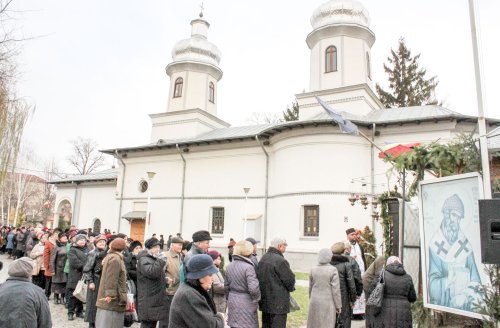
(178, 87)
(331, 59)
(311, 220)
(218, 220)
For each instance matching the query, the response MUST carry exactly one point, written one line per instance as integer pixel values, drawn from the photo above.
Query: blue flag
(346, 126)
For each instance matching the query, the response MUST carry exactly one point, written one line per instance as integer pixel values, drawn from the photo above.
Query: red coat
(46, 258)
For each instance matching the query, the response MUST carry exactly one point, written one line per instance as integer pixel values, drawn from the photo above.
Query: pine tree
(291, 114)
(407, 83)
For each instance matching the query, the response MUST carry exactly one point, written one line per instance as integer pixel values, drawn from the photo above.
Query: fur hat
(176, 240)
(324, 256)
(349, 231)
(213, 254)
(243, 248)
(201, 236)
(151, 242)
(98, 238)
(199, 266)
(80, 236)
(338, 248)
(134, 244)
(118, 244)
(22, 267)
(252, 240)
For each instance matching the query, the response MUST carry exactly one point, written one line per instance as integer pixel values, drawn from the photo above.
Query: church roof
(106, 175)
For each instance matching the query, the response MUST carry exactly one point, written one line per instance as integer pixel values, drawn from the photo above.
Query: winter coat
(131, 266)
(66, 265)
(372, 317)
(243, 293)
(194, 250)
(347, 287)
(151, 287)
(58, 260)
(276, 281)
(24, 305)
(77, 257)
(92, 274)
(47, 252)
(37, 255)
(10, 240)
(21, 239)
(192, 307)
(399, 292)
(218, 292)
(173, 271)
(113, 283)
(324, 295)
(356, 274)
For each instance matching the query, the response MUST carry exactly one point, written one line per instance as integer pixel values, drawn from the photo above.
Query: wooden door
(137, 230)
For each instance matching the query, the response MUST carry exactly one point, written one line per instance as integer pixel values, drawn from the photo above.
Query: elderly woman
(36, 254)
(218, 291)
(58, 257)
(192, 306)
(372, 274)
(92, 274)
(399, 292)
(324, 286)
(77, 257)
(242, 288)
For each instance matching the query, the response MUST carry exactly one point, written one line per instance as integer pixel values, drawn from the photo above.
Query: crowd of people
(187, 284)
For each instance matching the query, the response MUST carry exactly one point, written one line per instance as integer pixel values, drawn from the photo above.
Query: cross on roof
(202, 8)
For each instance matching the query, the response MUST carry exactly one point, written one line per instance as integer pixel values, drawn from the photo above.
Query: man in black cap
(253, 257)
(201, 243)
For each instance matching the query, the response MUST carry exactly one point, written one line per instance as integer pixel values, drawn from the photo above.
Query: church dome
(197, 48)
(337, 12)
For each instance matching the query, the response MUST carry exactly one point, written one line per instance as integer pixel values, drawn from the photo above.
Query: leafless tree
(264, 118)
(86, 157)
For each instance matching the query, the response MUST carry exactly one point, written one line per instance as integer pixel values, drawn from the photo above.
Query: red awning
(396, 150)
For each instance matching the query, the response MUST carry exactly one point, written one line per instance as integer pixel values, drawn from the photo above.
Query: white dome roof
(340, 12)
(197, 48)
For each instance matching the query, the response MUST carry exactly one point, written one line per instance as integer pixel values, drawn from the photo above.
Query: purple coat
(242, 292)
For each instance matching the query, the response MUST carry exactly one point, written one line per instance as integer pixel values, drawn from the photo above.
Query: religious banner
(450, 242)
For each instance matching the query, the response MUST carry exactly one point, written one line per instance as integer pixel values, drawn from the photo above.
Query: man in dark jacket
(201, 244)
(152, 284)
(346, 280)
(276, 281)
(24, 305)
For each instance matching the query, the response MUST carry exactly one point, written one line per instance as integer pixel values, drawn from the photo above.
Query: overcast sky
(96, 68)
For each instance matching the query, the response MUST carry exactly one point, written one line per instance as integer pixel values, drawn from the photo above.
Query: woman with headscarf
(218, 292)
(58, 260)
(324, 293)
(242, 288)
(372, 319)
(192, 306)
(399, 292)
(92, 274)
(77, 257)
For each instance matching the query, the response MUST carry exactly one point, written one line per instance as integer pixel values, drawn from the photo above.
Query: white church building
(291, 179)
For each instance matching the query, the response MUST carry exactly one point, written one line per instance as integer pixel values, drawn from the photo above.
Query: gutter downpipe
(181, 219)
(75, 211)
(121, 191)
(372, 171)
(266, 195)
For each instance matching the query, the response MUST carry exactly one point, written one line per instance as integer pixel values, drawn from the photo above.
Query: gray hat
(325, 256)
(252, 240)
(22, 268)
(199, 266)
(201, 236)
(80, 236)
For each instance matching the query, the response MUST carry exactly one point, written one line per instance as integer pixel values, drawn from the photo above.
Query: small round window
(143, 186)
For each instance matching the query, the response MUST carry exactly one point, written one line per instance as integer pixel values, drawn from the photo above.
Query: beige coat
(324, 294)
(173, 271)
(37, 255)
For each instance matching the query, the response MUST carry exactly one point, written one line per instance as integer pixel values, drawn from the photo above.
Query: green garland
(386, 221)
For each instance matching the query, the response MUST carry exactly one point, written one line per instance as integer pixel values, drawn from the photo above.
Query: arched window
(97, 226)
(178, 87)
(211, 92)
(368, 68)
(331, 59)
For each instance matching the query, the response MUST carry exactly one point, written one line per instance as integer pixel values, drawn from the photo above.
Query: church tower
(192, 98)
(340, 62)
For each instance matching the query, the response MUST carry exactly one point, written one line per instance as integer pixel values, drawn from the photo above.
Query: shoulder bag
(81, 290)
(377, 296)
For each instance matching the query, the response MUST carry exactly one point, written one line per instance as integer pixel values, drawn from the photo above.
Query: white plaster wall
(97, 202)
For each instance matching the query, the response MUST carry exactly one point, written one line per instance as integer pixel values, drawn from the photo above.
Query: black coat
(356, 273)
(347, 286)
(399, 292)
(276, 281)
(92, 274)
(77, 257)
(131, 266)
(151, 287)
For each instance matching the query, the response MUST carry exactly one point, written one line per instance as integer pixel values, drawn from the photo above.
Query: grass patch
(301, 275)
(299, 318)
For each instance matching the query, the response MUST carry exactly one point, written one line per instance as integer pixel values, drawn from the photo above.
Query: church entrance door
(137, 230)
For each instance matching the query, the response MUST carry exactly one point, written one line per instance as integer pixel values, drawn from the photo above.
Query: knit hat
(201, 236)
(349, 231)
(98, 238)
(199, 266)
(243, 248)
(324, 256)
(213, 254)
(79, 237)
(252, 240)
(118, 244)
(134, 244)
(22, 268)
(338, 248)
(392, 260)
(151, 242)
(176, 240)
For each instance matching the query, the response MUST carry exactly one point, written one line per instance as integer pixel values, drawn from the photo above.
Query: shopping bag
(130, 309)
(80, 291)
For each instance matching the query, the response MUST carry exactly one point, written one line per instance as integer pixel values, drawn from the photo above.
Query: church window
(311, 220)
(211, 92)
(218, 220)
(143, 186)
(331, 59)
(178, 87)
(368, 68)
(97, 226)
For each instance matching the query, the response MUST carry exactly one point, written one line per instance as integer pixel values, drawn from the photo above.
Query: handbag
(377, 295)
(80, 291)
(294, 306)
